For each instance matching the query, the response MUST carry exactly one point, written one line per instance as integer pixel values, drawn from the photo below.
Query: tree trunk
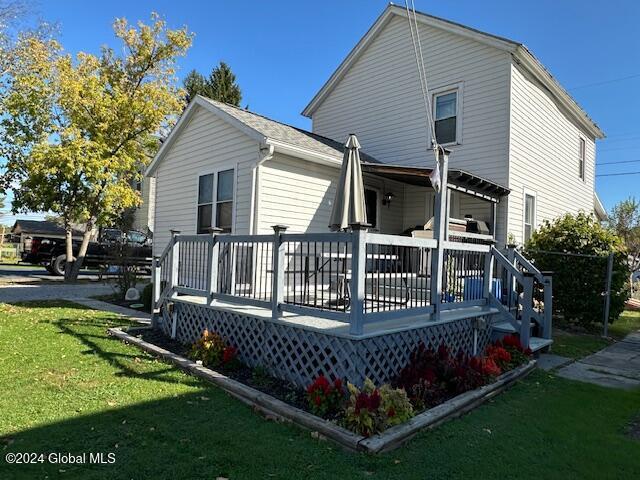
(82, 252)
(68, 238)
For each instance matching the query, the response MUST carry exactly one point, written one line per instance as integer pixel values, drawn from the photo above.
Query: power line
(617, 162)
(616, 174)
(606, 82)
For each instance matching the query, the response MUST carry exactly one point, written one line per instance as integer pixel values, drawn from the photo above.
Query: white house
(522, 150)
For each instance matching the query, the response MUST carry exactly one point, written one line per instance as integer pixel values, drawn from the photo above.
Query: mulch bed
(279, 389)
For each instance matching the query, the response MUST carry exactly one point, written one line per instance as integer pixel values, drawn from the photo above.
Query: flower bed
(427, 380)
(372, 419)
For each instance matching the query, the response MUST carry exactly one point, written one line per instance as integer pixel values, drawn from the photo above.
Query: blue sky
(283, 51)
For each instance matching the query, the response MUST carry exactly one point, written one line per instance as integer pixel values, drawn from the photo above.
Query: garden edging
(385, 441)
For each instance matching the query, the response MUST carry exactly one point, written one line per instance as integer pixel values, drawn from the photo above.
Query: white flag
(434, 176)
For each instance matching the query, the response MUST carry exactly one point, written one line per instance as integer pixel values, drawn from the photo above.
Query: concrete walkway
(78, 293)
(616, 366)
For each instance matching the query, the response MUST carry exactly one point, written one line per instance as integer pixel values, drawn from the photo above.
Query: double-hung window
(215, 201)
(581, 157)
(446, 117)
(529, 215)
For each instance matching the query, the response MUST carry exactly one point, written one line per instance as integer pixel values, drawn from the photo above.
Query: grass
(579, 345)
(68, 387)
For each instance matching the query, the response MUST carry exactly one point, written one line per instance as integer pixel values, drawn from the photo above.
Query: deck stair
(519, 313)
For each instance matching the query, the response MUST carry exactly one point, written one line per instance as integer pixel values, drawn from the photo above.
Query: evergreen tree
(220, 85)
(195, 84)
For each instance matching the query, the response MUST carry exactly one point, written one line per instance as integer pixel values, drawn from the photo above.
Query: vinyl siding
(544, 156)
(143, 217)
(300, 194)
(205, 144)
(379, 99)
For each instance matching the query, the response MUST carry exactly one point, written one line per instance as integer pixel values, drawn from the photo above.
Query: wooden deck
(339, 328)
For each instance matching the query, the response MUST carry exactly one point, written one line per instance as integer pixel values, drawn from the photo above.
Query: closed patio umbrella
(348, 205)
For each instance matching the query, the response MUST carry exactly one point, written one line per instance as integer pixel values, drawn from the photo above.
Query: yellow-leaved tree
(77, 131)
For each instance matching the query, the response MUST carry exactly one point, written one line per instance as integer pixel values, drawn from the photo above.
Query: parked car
(51, 252)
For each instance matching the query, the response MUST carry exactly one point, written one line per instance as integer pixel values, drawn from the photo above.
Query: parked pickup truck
(51, 252)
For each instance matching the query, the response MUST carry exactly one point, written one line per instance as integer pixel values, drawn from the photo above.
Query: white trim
(582, 158)
(305, 154)
(458, 89)
(531, 193)
(224, 167)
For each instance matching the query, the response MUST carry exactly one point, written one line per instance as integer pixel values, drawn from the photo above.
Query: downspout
(266, 153)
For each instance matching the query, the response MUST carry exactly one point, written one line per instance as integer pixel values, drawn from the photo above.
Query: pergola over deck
(458, 180)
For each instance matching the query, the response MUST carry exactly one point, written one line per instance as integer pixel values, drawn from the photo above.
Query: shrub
(147, 297)
(372, 410)
(579, 282)
(326, 398)
(429, 377)
(212, 351)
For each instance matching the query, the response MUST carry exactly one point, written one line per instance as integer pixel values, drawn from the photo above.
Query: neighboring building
(518, 141)
(143, 215)
(24, 230)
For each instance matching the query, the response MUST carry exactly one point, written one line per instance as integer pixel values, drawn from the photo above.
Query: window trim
(582, 158)
(458, 88)
(529, 193)
(215, 171)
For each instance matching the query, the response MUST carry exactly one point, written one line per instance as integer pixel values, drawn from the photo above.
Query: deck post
(277, 290)
(548, 304)
(212, 268)
(358, 269)
(511, 283)
(488, 275)
(175, 259)
(440, 232)
(527, 308)
(155, 269)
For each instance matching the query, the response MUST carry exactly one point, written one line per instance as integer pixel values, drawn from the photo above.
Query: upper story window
(581, 157)
(446, 117)
(529, 215)
(215, 190)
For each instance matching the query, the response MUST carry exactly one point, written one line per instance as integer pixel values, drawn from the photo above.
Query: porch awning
(458, 179)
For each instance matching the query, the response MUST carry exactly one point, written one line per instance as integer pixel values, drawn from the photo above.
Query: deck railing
(355, 277)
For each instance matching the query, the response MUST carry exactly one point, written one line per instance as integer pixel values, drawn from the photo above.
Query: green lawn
(579, 345)
(68, 387)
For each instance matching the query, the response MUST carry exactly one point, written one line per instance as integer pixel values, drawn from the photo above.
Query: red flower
(228, 354)
(317, 400)
(429, 375)
(337, 384)
(374, 400)
(391, 412)
(443, 352)
(499, 354)
(512, 341)
(490, 368)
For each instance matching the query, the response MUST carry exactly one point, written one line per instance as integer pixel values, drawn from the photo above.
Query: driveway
(10, 274)
(23, 283)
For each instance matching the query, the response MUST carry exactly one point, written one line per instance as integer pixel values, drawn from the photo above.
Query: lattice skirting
(299, 355)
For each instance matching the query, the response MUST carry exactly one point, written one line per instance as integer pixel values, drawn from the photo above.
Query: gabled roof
(42, 227)
(285, 138)
(518, 50)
